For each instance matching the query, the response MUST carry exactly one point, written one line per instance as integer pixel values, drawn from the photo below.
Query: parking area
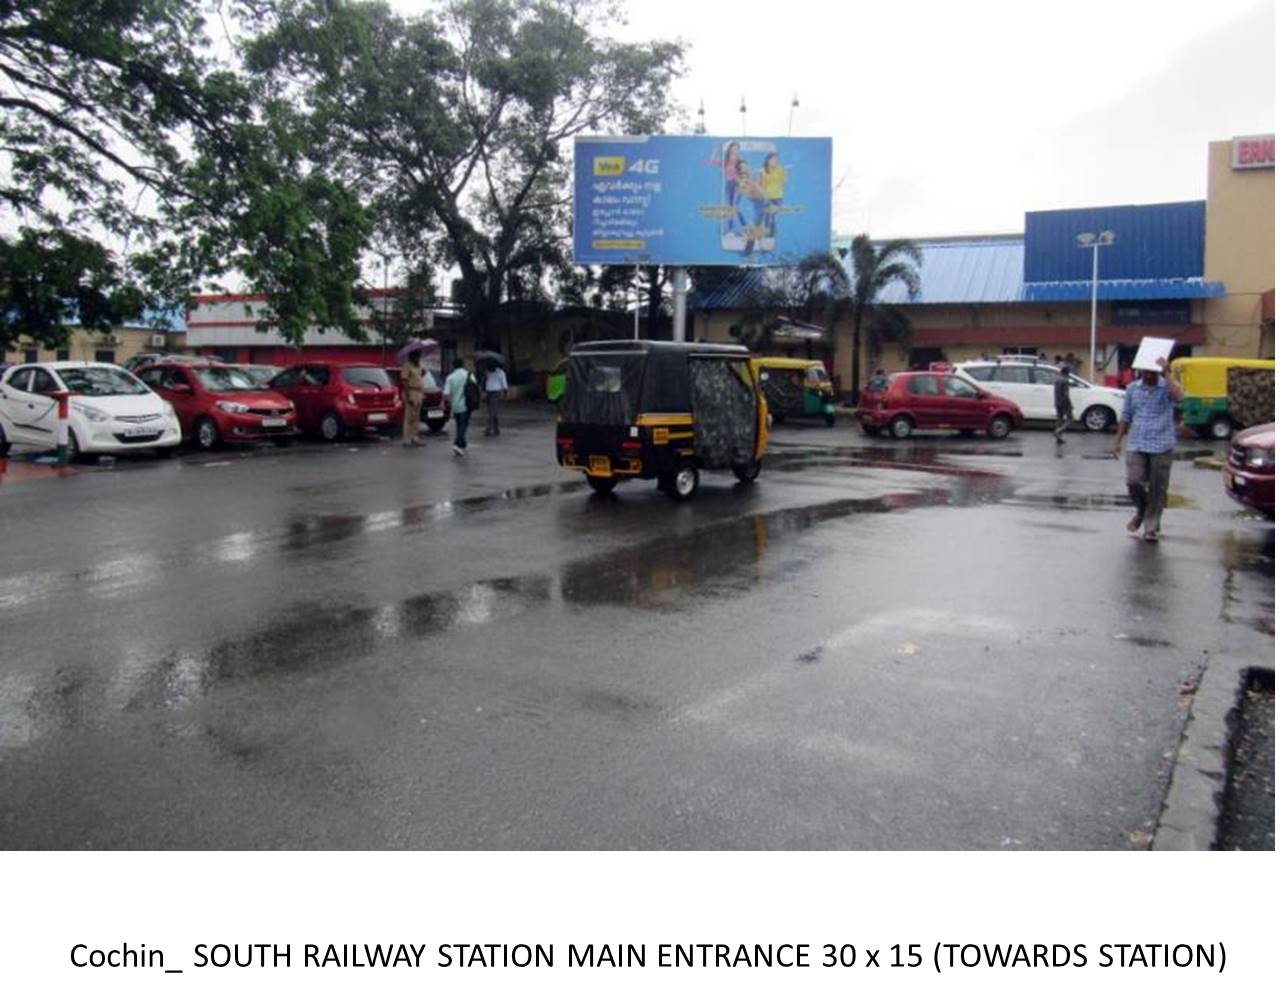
(933, 643)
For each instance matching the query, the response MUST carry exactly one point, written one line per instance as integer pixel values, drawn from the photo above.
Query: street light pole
(1092, 241)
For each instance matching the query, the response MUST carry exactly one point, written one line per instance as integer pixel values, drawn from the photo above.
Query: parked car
(435, 410)
(911, 400)
(217, 403)
(333, 397)
(1248, 471)
(1029, 384)
(111, 410)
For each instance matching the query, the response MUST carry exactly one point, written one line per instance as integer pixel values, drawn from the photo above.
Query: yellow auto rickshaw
(660, 410)
(1205, 404)
(795, 388)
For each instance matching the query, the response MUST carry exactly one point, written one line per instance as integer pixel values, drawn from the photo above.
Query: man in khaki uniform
(412, 398)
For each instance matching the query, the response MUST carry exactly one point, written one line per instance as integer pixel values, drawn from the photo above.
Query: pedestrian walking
(1062, 401)
(462, 390)
(412, 399)
(1148, 418)
(496, 384)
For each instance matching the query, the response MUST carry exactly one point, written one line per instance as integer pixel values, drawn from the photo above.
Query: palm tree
(876, 266)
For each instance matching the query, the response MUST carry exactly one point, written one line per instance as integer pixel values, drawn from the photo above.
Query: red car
(1248, 472)
(218, 403)
(911, 400)
(335, 397)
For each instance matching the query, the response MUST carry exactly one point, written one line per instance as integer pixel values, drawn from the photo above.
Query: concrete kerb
(1190, 815)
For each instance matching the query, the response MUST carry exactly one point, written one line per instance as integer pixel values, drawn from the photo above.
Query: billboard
(698, 200)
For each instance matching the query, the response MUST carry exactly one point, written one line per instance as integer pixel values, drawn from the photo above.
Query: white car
(1029, 384)
(111, 410)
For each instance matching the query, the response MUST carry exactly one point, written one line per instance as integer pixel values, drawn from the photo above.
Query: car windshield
(99, 382)
(225, 379)
(367, 377)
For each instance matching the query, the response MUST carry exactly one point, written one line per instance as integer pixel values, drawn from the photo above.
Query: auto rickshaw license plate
(600, 465)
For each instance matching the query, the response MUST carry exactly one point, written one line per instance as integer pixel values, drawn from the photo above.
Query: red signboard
(1253, 152)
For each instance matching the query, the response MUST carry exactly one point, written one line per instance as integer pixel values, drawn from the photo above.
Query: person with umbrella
(495, 384)
(412, 398)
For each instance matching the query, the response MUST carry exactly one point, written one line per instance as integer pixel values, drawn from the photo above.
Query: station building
(1198, 272)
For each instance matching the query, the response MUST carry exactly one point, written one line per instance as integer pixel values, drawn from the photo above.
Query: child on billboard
(740, 186)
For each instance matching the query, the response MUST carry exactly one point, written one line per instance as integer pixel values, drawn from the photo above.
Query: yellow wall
(83, 345)
(1239, 252)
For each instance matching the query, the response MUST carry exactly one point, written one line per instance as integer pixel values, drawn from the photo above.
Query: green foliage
(874, 267)
(458, 121)
(123, 130)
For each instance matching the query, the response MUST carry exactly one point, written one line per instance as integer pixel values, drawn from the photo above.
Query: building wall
(1240, 252)
(115, 347)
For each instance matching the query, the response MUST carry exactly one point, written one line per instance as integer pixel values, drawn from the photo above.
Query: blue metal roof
(965, 271)
(1151, 242)
(1124, 290)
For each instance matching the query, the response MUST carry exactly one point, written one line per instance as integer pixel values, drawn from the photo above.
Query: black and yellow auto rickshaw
(663, 411)
(795, 388)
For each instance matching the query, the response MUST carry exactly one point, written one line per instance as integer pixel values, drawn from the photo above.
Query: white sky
(956, 118)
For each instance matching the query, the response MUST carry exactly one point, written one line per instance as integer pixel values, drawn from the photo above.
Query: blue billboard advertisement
(698, 200)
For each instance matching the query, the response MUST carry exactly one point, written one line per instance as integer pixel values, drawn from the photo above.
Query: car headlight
(1259, 457)
(168, 409)
(233, 406)
(91, 413)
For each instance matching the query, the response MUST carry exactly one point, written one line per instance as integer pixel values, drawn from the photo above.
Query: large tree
(135, 160)
(459, 120)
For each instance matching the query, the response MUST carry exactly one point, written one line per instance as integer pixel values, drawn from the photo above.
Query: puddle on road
(1249, 595)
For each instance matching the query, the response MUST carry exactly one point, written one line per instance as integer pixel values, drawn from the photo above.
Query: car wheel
(999, 426)
(1098, 419)
(603, 486)
(746, 473)
(330, 427)
(682, 485)
(1220, 427)
(830, 418)
(206, 434)
(4, 443)
(870, 430)
(901, 427)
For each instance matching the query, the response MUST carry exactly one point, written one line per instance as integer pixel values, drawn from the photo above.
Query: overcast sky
(956, 118)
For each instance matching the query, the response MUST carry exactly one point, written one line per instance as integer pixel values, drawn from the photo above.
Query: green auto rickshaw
(795, 389)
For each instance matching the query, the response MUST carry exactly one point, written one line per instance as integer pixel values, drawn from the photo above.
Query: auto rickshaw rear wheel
(603, 486)
(748, 472)
(682, 483)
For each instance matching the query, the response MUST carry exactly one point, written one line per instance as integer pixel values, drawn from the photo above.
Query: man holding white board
(1148, 418)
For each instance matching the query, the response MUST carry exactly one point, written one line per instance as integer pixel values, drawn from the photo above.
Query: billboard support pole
(680, 302)
(638, 300)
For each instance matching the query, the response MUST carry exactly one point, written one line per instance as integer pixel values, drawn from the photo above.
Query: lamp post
(1091, 241)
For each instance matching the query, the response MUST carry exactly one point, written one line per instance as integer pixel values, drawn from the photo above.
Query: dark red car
(1248, 471)
(334, 397)
(218, 403)
(911, 400)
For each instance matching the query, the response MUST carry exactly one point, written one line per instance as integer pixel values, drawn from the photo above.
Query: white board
(1152, 350)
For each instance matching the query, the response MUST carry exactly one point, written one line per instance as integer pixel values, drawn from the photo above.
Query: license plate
(141, 431)
(600, 465)
(1238, 479)
(274, 421)
(433, 413)
(377, 417)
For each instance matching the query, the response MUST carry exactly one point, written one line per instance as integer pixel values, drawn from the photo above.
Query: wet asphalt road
(946, 643)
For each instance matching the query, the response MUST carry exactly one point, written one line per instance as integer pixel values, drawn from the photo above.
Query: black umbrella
(488, 358)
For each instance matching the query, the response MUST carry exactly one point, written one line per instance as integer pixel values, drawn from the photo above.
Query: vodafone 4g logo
(615, 166)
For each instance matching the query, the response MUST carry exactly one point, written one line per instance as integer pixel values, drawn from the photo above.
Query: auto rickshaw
(795, 388)
(660, 410)
(1205, 392)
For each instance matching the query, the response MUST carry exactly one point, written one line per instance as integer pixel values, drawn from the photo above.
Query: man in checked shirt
(1148, 417)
